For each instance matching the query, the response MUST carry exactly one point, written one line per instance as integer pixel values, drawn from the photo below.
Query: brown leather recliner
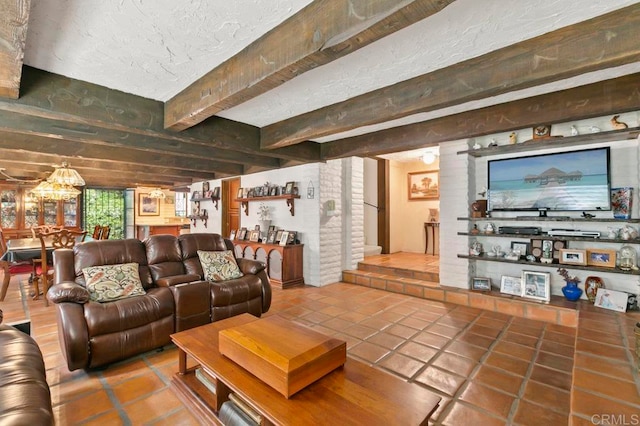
(94, 334)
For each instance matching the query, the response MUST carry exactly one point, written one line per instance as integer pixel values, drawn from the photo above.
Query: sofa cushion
(107, 283)
(219, 265)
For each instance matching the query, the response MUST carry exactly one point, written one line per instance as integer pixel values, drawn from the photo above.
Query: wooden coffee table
(353, 394)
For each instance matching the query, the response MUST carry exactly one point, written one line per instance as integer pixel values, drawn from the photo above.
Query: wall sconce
(310, 190)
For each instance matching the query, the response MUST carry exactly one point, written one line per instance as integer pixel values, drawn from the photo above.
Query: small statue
(493, 142)
(618, 125)
(477, 145)
(475, 249)
(489, 228)
(574, 131)
(513, 138)
(475, 230)
(588, 215)
(594, 129)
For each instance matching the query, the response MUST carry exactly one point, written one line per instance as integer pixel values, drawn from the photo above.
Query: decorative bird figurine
(513, 138)
(588, 215)
(595, 129)
(574, 131)
(493, 142)
(618, 125)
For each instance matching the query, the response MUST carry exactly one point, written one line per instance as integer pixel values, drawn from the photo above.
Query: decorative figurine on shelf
(513, 138)
(479, 208)
(627, 258)
(476, 145)
(628, 232)
(489, 228)
(591, 286)
(588, 215)
(475, 249)
(594, 129)
(571, 290)
(493, 142)
(547, 252)
(618, 125)
(574, 131)
(475, 230)
(613, 233)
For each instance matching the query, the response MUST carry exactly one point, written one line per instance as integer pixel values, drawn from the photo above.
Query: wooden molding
(321, 32)
(569, 51)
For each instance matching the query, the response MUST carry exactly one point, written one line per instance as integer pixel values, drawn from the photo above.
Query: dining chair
(15, 267)
(104, 235)
(62, 238)
(97, 232)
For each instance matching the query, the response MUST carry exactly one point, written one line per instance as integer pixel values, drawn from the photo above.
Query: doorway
(230, 207)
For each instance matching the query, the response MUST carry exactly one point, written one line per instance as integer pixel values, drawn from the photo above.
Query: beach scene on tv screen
(566, 181)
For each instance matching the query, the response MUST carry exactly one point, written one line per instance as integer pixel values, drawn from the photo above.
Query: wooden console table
(284, 263)
(353, 394)
(430, 226)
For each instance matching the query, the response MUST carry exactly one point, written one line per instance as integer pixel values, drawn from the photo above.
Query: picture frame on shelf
(232, 235)
(216, 192)
(288, 188)
(148, 206)
(240, 193)
(481, 284)
(523, 248)
(195, 195)
(423, 185)
(271, 237)
(573, 257)
(283, 238)
(254, 236)
(536, 285)
(278, 236)
(242, 234)
(291, 238)
(511, 285)
(611, 299)
(205, 187)
(605, 258)
(273, 191)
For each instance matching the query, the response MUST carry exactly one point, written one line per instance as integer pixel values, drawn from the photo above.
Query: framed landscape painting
(148, 206)
(424, 185)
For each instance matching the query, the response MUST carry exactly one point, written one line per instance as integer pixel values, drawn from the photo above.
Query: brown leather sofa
(94, 334)
(24, 393)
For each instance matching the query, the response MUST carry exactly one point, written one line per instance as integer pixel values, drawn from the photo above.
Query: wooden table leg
(182, 361)
(5, 280)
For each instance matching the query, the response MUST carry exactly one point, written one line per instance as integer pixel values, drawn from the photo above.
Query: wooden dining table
(21, 250)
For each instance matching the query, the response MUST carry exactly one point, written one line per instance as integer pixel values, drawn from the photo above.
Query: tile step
(400, 272)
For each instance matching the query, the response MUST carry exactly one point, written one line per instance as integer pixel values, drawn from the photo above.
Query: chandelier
(64, 175)
(60, 185)
(157, 193)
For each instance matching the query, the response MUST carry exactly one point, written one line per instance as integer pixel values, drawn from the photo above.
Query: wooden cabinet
(284, 263)
(19, 212)
(145, 231)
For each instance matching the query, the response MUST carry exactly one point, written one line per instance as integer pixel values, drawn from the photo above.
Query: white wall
(370, 197)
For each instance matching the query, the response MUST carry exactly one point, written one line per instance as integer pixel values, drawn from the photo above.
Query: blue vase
(571, 291)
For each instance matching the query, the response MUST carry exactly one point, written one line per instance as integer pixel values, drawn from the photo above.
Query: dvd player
(573, 233)
(524, 230)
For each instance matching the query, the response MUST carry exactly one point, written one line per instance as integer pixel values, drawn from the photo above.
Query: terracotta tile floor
(489, 368)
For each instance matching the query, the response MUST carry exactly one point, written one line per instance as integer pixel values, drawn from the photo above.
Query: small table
(18, 250)
(430, 226)
(357, 392)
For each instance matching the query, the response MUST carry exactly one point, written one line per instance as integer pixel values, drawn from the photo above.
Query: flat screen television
(564, 181)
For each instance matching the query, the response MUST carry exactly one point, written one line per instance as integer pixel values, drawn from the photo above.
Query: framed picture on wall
(424, 185)
(148, 206)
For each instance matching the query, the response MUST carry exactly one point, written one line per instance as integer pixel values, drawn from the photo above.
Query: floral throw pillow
(107, 283)
(219, 265)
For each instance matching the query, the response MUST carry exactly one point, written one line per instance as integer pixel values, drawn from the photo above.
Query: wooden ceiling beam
(89, 108)
(14, 16)
(80, 152)
(605, 41)
(323, 31)
(617, 95)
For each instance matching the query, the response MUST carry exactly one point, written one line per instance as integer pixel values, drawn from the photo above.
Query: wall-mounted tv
(564, 181)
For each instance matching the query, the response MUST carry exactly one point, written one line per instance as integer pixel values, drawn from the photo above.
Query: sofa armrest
(250, 266)
(68, 291)
(177, 279)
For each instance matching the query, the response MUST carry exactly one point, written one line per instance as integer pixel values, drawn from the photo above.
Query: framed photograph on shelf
(601, 257)
(242, 234)
(537, 285)
(291, 238)
(278, 236)
(205, 187)
(611, 299)
(521, 247)
(511, 285)
(240, 193)
(573, 257)
(283, 238)
(424, 185)
(148, 206)
(288, 188)
(271, 237)
(232, 235)
(216, 192)
(254, 236)
(481, 284)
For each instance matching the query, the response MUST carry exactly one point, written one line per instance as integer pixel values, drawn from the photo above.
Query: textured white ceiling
(156, 48)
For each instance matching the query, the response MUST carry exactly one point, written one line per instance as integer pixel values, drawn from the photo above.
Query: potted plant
(571, 290)
(264, 216)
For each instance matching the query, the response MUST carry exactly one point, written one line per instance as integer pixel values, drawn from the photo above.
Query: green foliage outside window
(104, 207)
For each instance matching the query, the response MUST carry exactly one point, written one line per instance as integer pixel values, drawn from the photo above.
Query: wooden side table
(430, 226)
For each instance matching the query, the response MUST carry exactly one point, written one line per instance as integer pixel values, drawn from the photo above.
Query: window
(104, 207)
(181, 204)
